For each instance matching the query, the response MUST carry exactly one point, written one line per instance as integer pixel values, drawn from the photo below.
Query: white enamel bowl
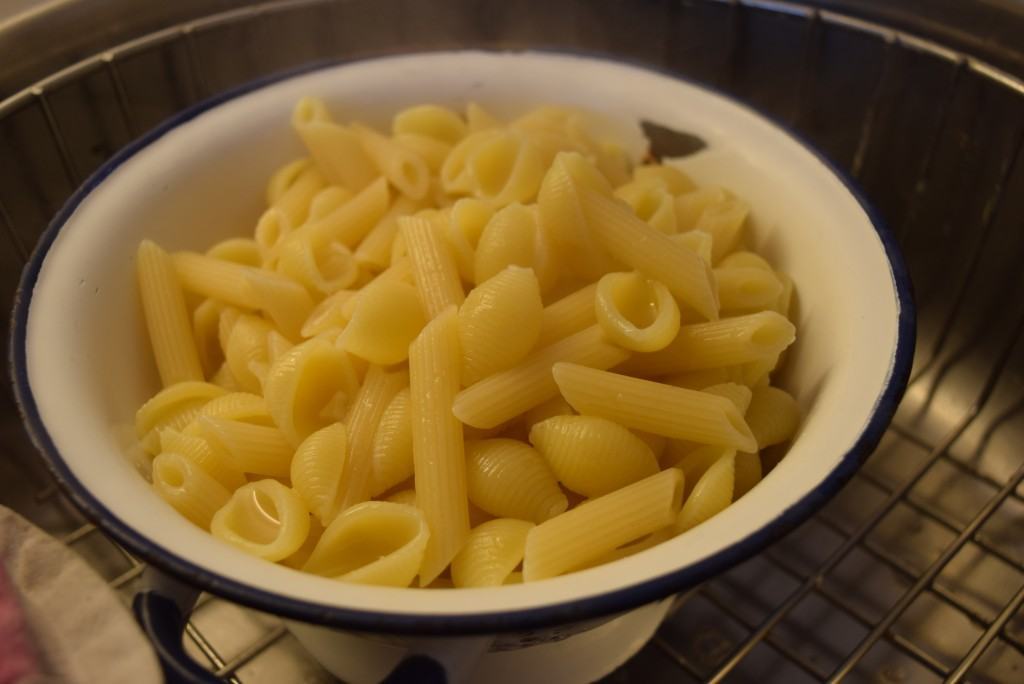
(82, 364)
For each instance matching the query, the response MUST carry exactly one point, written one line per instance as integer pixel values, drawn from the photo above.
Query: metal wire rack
(915, 571)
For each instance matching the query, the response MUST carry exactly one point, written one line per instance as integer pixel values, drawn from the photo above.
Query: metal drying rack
(915, 571)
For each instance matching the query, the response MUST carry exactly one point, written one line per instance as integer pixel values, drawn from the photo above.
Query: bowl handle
(162, 610)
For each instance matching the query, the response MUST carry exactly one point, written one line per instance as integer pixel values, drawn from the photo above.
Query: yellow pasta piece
(392, 445)
(329, 314)
(206, 328)
(479, 119)
(173, 407)
(711, 495)
(405, 496)
(503, 165)
(509, 479)
(747, 288)
(431, 121)
(697, 241)
(674, 180)
(652, 202)
(467, 220)
(283, 178)
(316, 468)
(195, 448)
(773, 416)
(654, 407)
(509, 393)
(237, 250)
(556, 406)
(322, 267)
(386, 319)
(295, 200)
(378, 389)
(167, 320)
(374, 251)
(246, 350)
(336, 149)
(592, 456)
(724, 222)
(499, 323)
(491, 552)
(243, 406)
(284, 301)
(188, 488)
(403, 169)
(727, 342)
(433, 265)
(745, 259)
(301, 555)
(695, 462)
(304, 384)
(432, 151)
(636, 313)
(706, 377)
(691, 205)
(375, 542)
(568, 315)
(265, 519)
(435, 361)
(738, 394)
(256, 449)
(651, 252)
(514, 237)
(584, 534)
(748, 473)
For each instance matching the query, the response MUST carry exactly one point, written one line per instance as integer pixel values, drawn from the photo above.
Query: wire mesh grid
(915, 571)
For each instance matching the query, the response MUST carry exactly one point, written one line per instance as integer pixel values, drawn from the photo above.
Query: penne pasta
(433, 266)
(256, 449)
(403, 169)
(568, 315)
(335, 149)
(188, 488)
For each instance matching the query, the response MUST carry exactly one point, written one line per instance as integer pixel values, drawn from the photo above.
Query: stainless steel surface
(915, 571)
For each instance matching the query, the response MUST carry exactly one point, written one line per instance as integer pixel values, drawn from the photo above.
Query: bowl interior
(203, 179)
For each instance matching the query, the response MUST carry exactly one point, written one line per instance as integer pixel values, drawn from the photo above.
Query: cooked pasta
(499, 323)
(465, 352)
(492, 551)
(509, 479)
(265, 519)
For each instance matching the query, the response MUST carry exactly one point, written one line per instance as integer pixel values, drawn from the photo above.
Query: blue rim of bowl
(576, 610)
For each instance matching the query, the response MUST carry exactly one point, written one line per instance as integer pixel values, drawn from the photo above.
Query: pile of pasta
(468, 353)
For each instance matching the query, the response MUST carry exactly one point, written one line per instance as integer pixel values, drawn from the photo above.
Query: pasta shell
(387, 318)
(316, 469)
(773, 416)
(265, 519)
(748, 472)
(392, 445)
(188, 488)
(711, 495)
(636, 313)
(491, 552)
(508, 479)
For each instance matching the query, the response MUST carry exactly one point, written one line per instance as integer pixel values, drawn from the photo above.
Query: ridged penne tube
(237, 250)
(696, 240)
(556, 406)
(387, 317)
(351, 221)
(499, 323)
(375, 542)
(456, 175)
(584, 534)
(327, 200)
(568, 315)
(403, 169)
(374, 251)
(513, 236)
(652, 203)
(675, 181)
(738, 394)
(773, 416)
(491, 552)
(295, 200)
(214, 278)
(167, 319)
(561, 211)
(431, 121)
(706, 377)
(509, 393)
(727, 342)
(651, 252)
(174, 407)
(509, 479)
(724, 223)
(315, 470)
(265, 519)
(197, 449)
(188, 488)
(691, 205)
(243, 406)
(303, 386)
(335, 149)
(748, 473)
(378, 389)
(206, 329)
(328, 314)
(696, 462)
(283, 178)
(711, 495)
(654, 407)
(592, 456)
(322, 268)
(392, 445)
(745, 288)
(466, 222)
(435, 362)
(636, 313)
(256, 449)
(433, 265)
(284, 301)
(246, 346)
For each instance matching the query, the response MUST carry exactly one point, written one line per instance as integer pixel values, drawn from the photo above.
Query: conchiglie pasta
(499, 323)
(711, 495)
(592, 456)
(513, 236)
(773, 416)
(392, 445)
(174, 407)
(375, 542)
(265, 519)
(491, 552)
(432, 121)
(509, 479)
(466, 222)
(315, 470)
(387, 318)
(197, 449)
